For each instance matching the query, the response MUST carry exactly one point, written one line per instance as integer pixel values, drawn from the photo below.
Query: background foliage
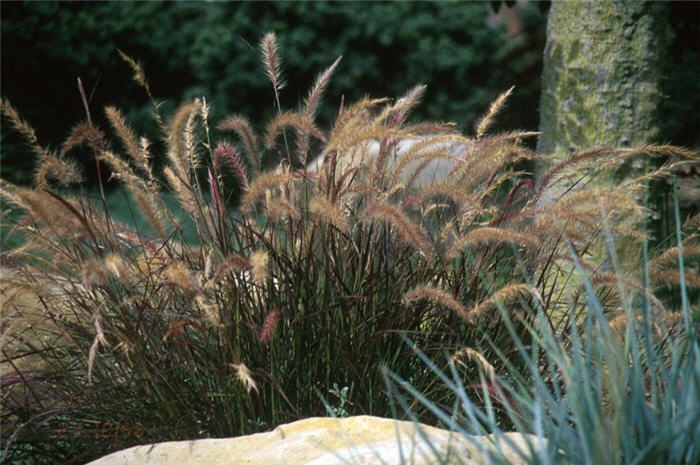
(205, 49)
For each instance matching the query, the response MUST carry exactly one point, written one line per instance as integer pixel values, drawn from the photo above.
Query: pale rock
(363, 156)
(359, 440)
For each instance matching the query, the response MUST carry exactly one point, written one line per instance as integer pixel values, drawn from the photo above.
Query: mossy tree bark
(602, 73)
(601, 83)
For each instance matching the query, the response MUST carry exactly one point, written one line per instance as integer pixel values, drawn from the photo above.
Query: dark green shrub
(200, 50)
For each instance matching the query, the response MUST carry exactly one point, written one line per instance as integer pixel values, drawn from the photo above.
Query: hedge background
(465, 55)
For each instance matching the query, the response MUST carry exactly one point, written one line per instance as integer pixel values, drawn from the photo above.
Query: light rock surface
(360, 440)
(363, 156)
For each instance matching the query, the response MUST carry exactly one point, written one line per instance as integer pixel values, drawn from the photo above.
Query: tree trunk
(602, 72)
(601, 86)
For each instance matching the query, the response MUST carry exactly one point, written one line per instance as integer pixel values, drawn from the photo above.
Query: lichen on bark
(602, 72)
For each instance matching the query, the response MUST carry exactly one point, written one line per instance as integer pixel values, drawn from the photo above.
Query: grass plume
(405, 228)
(259, 185)
(487, 120)
(242, 127)
(272, 61)
(438, 296)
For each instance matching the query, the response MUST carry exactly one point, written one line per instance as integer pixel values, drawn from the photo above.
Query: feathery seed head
(178, 275)
(325, 210)
(483, 124)
(139, 75)
(279, 208)
(410, 232)
(242, 127)
(491, 235)
(261, 184)
(226, 152)
(233, 262)
(92, 273)
(271, 60)
(502, 295)
(127, 136)
(180, 136)
(244, 376)
(269, 324)
(300, 122)
(85, 133)
(115, 265)
(438, 296)
(476, 357)
(318, 89)
(65, 172)
(259, 266)
(210, 310)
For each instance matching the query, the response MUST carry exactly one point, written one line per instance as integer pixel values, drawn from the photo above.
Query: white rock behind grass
(360, 440)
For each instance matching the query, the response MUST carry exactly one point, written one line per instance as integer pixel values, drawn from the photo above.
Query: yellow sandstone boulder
(357, 440)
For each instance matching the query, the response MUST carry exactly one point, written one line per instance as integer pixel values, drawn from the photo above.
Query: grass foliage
(621, 390)
(301, 283)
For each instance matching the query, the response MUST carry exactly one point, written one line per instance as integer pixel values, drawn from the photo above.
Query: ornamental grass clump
(289, 268)
(608, 387)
